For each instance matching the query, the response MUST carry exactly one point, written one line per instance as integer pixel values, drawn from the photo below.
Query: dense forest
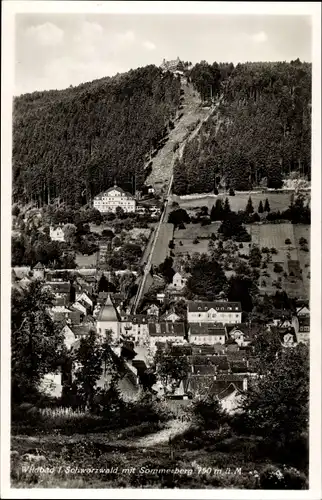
(261, 132)
(72, 144)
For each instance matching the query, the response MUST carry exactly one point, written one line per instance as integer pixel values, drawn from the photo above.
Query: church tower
(109, 319)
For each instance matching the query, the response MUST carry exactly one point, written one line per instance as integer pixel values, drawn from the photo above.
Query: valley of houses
(212, 336)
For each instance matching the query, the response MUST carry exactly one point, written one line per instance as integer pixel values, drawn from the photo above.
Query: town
(170, 302)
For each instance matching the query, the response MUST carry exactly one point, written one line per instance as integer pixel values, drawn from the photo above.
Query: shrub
(240, 245)
(208, 413)
(274, 251)
(265, 250)
(271, 478)
(288, 241)
(303, 241)
(231, 192)
(278, 268)
(195, 241)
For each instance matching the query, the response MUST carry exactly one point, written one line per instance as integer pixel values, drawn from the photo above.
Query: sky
(54, 51)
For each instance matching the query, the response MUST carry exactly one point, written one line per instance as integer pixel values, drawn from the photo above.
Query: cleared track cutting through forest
(161, 177)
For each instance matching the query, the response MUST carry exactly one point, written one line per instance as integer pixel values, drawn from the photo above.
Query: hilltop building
(114, 197)
(172, 65)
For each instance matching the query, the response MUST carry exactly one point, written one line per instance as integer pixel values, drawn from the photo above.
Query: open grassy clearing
(188, 247)
(192, 231)
(277, 201)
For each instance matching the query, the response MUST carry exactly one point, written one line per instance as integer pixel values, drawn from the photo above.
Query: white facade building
(56, 233)
(214, 312)
(109, 200)
(207, 334)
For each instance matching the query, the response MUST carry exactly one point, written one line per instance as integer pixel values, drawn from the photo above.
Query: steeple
(108, 311)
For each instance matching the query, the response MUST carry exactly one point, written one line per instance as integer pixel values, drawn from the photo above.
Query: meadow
(277, 201)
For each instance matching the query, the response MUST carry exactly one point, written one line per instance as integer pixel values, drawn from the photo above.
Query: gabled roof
(228, 391)
(207, 329)
(166, 328)
(108, 311)
(114, 188)
(39, 265)
(59, 286)
(220, 306)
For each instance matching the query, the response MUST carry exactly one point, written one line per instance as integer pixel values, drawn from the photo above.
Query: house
(56, 233)
(60, 289)
(213, 385)
(214, 312)
(207, 333)
(287, 335)
(153, 310)
(109, 320)
(160, 297)
(69, 336)
(302, 311)
(136, 327)
(240, 335)
(83, 296)
(230, 399)
(303, 333)
(170, 316)
(79, 307)
(179, 280)
(62, 314)
(39, 271)
(167, 331)
(114, 197)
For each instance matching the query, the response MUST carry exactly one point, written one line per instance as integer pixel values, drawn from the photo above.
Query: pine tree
(260, 207)
(249, 206)
(267, 208)
(227, 206)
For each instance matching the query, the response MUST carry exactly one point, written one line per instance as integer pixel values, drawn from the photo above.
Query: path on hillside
(162, 165)
(162, 234)
(174, 428)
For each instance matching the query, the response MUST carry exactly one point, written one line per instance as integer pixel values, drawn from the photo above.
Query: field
(288, 256)
(277, 201)
(263, 235)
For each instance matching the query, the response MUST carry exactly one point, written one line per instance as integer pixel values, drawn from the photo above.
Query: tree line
(72, 144)
(261, 133)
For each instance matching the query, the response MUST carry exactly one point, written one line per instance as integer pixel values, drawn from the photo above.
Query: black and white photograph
(163, 278)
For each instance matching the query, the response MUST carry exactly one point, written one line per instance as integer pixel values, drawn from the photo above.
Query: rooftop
(166, 328)
(108, 311)
(207, 329)
(114, 188)
(220, 306)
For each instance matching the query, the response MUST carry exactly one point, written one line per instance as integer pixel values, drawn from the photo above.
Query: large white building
(214, 312)
(114, 197)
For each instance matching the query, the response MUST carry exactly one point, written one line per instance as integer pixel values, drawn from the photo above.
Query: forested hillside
(72, 144)
(261, 133)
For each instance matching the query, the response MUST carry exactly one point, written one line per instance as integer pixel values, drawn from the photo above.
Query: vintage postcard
(161, 250)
